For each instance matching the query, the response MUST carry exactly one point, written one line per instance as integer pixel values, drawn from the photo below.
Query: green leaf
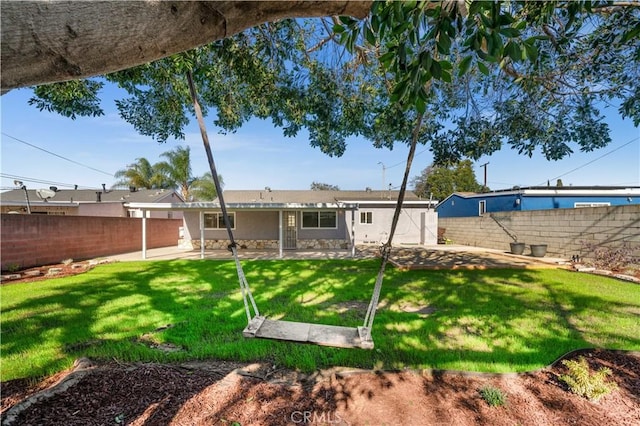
(464, 65)
(436, 70)
(509, 32)
(338, 29)
(483, 68)
(387, 58)
(369, 36)
(421, 105)
(425, 59)
(446, 65)
(444, 43)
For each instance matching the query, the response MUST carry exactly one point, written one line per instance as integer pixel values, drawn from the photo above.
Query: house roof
(312, 197)
(293, 199)
(17, 196)
(541, 191)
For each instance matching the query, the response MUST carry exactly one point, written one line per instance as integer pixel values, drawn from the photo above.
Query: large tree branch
(45, 42)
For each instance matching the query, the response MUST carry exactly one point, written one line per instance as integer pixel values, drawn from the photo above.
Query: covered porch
(273, 228)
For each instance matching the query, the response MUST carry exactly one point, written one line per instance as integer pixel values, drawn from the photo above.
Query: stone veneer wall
(565, 231)
(308, 244)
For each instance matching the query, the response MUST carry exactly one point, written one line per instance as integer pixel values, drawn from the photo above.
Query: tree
(203, 188)
(177, 170)
(438, 182)
(318, 186)
(528, 75)
(141, 174)
(45, 42)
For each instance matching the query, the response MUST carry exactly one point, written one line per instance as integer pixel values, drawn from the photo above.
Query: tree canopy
(438, 182)
(175, 172)
(319, 186)
(530, 75)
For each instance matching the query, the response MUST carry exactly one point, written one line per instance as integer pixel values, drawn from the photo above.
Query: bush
(493, 396)
(583, 383)
(611, 258)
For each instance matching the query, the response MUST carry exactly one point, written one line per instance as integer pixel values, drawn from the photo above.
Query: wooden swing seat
(302, 332)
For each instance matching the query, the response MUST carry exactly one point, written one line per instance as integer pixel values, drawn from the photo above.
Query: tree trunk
(45, 42)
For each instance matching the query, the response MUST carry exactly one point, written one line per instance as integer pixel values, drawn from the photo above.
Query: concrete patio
(410, 256)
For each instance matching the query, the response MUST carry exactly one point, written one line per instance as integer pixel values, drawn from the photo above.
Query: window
(482, 207)
(319, 219)
(366, 218)
(216, 221)
(594, 204)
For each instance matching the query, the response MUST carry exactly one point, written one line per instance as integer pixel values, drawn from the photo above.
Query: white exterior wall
(415, 226)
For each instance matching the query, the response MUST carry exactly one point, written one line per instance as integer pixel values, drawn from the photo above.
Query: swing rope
(385, 250)
(247, 296)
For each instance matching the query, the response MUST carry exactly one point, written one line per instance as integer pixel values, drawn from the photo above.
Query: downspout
(353, 232)
(280, 235)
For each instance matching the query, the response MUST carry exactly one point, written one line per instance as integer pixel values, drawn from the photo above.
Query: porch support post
(201, 216)
(280, 233)
(353, 233)
(144, 234)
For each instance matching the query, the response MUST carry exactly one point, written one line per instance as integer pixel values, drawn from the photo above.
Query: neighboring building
(535, 198)
(266, 219)
(88, 202)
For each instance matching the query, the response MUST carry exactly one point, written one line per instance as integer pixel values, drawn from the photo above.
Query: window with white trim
(593, 204)
(366, 218)
(319, 219)
(482, 207)
(216, 221)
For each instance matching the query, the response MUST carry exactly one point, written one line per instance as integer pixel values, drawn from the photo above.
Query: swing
(259, 326)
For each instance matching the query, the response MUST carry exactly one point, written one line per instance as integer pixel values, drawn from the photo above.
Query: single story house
(88, 202)
(462, 204)
(286, 220)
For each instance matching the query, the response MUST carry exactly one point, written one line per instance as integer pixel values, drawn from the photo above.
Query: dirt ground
(218, 393)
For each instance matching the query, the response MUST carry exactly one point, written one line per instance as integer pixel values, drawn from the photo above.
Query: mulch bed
(222, 393)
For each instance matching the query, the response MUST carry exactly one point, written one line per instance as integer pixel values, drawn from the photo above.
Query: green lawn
(490, 320)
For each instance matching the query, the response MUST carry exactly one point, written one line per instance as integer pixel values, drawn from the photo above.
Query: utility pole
(384, 168)
(485, 173)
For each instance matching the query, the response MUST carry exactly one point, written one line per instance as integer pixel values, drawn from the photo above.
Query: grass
(490, 320)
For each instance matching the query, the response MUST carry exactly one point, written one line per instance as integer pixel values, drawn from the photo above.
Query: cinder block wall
(34, 240)
(565, 231)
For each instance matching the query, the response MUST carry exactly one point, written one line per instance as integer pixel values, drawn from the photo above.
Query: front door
(290, 230)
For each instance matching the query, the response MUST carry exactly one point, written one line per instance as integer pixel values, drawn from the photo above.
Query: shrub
(11, 267)
(583, 383)
(493, 396)
(611, 258)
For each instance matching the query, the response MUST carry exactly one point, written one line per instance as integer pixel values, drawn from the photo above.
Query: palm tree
(141, 174)
(203, 188)
(177, 169)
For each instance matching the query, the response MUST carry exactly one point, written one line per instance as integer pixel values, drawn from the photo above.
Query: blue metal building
(461, 204)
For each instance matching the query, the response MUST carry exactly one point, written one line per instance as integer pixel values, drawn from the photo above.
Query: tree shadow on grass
(478, 317)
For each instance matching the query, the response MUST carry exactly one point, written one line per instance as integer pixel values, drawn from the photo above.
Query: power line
(57, 155)
(594, 160)
(41, 181)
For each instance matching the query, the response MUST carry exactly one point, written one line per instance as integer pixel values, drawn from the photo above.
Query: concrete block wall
(565, 231)
(35, 240)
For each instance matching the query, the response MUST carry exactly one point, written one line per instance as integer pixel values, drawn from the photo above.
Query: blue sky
(258, 155)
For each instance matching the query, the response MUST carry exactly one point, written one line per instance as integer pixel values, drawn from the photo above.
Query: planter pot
(538, 250)
(517, 248)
